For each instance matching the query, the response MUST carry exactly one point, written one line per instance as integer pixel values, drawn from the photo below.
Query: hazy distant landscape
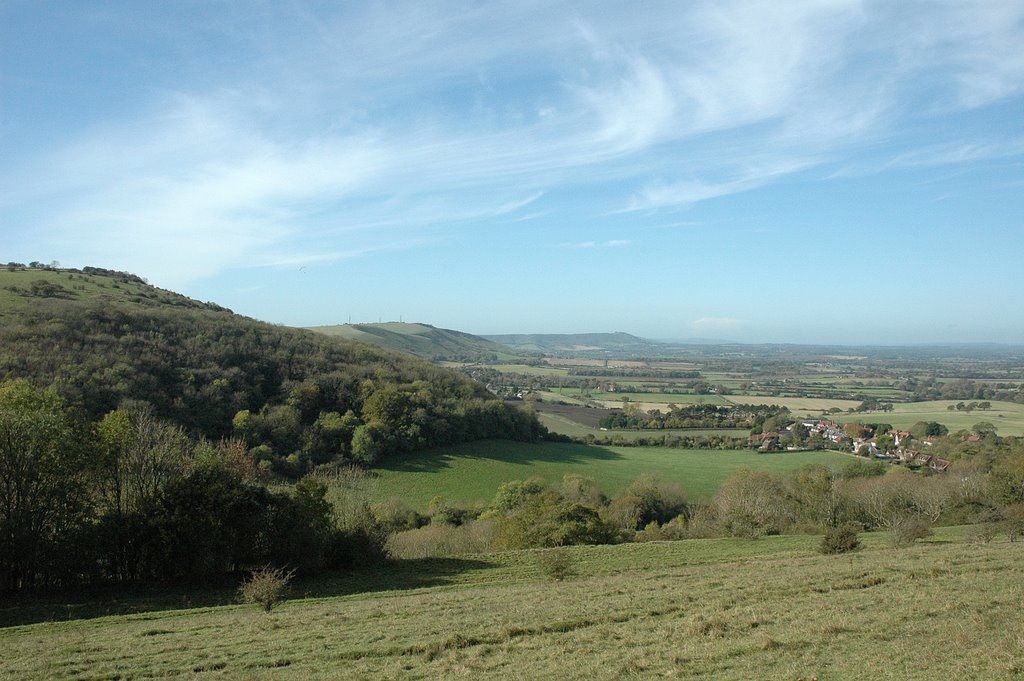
(511, 340)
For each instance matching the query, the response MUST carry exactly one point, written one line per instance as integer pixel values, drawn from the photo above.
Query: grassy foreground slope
(473, 472)
(770, 608)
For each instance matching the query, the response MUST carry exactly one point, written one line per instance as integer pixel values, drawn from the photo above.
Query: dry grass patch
(692, 609)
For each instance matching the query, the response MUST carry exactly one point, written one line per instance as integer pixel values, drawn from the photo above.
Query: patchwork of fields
(721, 608)
(1007, 417)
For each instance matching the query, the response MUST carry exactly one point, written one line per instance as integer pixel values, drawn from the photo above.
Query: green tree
(367, 444)
(753, 503)
(45, 480)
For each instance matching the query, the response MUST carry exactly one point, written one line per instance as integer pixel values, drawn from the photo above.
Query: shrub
(984, 524)
(647, 500)
(1013, 515)
(842, 539)
(443, 541)
(556, 563)
(266, 587)
(703, 524)
(908, 529)
(545, 520)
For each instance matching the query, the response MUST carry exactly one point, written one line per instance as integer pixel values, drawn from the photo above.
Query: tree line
(697, 416)
(133, 498)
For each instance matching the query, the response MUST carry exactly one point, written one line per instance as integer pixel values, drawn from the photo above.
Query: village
(895, 446)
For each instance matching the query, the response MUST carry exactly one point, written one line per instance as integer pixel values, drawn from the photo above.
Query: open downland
(1007, 417)
(722, 608)
(472, 472)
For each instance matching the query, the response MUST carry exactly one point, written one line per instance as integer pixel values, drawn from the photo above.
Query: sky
(832, 171)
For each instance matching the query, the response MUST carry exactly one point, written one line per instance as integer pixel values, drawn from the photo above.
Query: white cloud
(364, 125)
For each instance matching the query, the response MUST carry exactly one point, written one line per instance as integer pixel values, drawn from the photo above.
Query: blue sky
(831, 171)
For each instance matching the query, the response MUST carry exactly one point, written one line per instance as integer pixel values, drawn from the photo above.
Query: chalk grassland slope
(619, 345)
(22, 290)
(720, 609)
(473, 472)
(422, 340)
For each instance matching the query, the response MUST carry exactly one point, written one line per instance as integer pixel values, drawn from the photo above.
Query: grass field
(472, 472)
(77, 287)
(721, 609)
(798, 405)
(1008, 417)
(566, 426)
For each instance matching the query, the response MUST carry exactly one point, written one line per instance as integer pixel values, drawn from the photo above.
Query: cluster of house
(902, 450)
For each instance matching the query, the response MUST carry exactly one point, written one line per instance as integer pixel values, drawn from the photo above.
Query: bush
(545, 521)
(443, 541)
(556, 563)
(1013, 515)
(908, 529)
(842, 539)
(984, 524)
(266, 587)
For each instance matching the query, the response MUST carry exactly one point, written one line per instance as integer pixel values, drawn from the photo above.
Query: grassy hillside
(23, 290)
(422, 340)
(473, 472)
(722, 609)
(581, 344)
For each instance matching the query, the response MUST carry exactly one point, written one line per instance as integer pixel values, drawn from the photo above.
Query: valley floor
(718, 608)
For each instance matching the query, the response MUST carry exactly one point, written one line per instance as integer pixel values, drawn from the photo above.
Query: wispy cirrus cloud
(355, 126)
(611, 243)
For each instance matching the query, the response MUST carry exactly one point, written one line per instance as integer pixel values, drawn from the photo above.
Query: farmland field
(719, 608)
(1008, 417)
(566, 426)
(798, 405)
(473, 472)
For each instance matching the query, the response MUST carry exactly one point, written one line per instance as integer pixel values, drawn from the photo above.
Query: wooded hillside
(106, 339)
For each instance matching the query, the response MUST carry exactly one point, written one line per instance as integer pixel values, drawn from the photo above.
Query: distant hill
(108, 339)
(616, 344)
(423, 340)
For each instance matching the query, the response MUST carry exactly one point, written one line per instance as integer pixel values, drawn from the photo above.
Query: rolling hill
(618, 344)
(424, 341)
(105, 339)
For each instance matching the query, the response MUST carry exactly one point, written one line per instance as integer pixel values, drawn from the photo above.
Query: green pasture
(472, 472)
(556, 423)
(78, 287)
(529, 370)
(1008, 417)
(659, 398)
(696, 609)
(553, 396)
(798, 405)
